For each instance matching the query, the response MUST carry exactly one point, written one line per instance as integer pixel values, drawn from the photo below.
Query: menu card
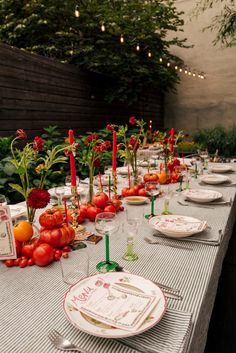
(7, 243)
(114, 305)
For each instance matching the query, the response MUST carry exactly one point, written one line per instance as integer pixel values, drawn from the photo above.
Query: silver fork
(63, 343)
(150, 241)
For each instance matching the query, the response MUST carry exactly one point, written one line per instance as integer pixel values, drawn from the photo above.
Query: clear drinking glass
(68, 181)
(134, 218)
(167, 194)
(153, 189)
(106, 223)
(60, 192)
(76, 267)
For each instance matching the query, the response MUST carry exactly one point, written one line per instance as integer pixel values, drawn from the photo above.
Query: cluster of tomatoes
(52, 243)
(100, 203)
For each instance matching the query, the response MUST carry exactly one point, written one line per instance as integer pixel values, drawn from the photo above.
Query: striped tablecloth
(31, 299)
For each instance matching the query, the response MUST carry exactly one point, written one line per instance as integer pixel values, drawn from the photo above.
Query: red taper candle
(114, 151)
(72, 160)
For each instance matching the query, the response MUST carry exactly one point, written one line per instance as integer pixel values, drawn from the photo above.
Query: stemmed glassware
(60, 192)
(153, 189)
(68, 181)
(106, 223)
(134, 218)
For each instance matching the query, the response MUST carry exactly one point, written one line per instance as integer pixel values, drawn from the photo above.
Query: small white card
(7, 242)
(117, 306)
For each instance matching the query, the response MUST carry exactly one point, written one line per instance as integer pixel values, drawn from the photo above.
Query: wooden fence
(36, 92)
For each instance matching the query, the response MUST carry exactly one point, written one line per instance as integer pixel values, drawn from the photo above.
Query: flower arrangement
(29, 160)
(169, 141)
(92, 151)
(129, 147)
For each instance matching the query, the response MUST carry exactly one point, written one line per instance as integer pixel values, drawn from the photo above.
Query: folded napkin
(170, 335)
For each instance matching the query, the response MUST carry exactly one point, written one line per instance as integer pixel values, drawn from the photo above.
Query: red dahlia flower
(132, 120)
(38, 143)
(21, 134)
(109, 127)
(38, 198)
(91, 137)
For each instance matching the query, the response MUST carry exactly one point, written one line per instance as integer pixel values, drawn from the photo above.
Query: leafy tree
(50, 28)
(224, 22)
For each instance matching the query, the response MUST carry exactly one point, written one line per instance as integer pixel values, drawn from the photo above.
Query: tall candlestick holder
(114, 181)
(75, 210)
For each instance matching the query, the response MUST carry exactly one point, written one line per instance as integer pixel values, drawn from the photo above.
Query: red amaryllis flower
(132, 120)
(38, 143)
(171, 132)
(21, 134)
(133, 143)
(109, 127)
(38, 198)
(91, 137)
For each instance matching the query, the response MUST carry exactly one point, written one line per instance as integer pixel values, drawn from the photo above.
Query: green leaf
(17, 188)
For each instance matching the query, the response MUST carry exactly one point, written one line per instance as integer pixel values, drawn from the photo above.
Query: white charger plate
(177, 226)
(126, 280)
(214, 179)
(136, 200)
(202, 195)
(221, 168)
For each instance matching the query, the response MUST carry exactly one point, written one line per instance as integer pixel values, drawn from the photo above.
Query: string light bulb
(103, 28)
(185, 71)
(176, 67)
(194, 75)
(149, 54)
(168, 64)
(137, 47)
(180, 70)
(160, 60)
(77, 13)
(189, 73)
(122, 38)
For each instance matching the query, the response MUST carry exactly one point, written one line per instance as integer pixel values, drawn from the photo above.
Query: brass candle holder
(114, 182)
(75, 210)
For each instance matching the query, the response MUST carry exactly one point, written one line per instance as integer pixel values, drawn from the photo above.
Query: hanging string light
(122, 38)
(160, 60)
(77, 13)
(137, 47)
(149, 54)
(103, 28)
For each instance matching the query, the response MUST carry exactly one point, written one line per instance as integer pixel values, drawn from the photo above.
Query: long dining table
(31, 299)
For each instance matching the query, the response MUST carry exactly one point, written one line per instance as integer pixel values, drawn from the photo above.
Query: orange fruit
(23, 231)
(162, 177)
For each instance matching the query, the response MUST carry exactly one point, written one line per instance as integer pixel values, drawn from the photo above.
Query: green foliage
(50, 28)
(224, 22)
(218, 138)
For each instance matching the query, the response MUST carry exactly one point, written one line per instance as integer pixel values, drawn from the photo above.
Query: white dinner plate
(124, 170)
(17, 210)
(136, 200)
(202, 195)
(176, 226)
(84, 288)
(214, 179)
(221, 168)
(67, 191)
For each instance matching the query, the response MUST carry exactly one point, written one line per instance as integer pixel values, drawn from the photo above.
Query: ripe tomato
(51, 218)
(150, 177)
(17, 261)
(57, 237)
(142, 192)
(83, 209)
(110, 208)
(131, 192)
(65, 255)
(116, 202)
(23, 231)
(9, 263)
(27, 250)
(23, 263)
(124, 192)
(92, 211)
(100, 200)
(31, 262)
(162, 177)
(66, 249)
(43, 255)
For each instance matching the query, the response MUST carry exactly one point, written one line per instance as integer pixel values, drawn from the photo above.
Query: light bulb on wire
(103, 28)
(122, 38)
(160, 60)
(149, 54)
(77, 13)
(137, 47)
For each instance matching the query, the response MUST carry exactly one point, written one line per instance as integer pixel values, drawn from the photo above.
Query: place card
(7, 243)
(115, 305)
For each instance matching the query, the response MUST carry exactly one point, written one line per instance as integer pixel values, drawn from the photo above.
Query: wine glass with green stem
(106, 223)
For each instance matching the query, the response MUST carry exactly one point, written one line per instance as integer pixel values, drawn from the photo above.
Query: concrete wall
(203, 103)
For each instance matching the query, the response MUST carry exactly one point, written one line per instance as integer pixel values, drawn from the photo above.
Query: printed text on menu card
(116, 306)
(7, 243)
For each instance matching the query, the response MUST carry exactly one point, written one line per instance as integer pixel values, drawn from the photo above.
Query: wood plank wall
(36, 92)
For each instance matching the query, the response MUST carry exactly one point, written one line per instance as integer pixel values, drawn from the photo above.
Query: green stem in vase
(91, 176)
(107, 246)
(152, 205)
